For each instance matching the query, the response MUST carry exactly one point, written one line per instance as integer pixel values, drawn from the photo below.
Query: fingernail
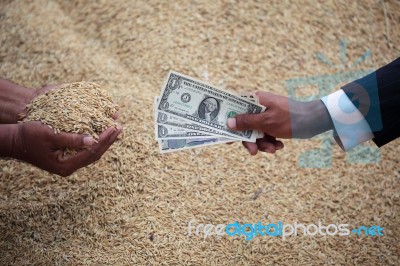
(119, 127)
(231, 123)
(88, 141)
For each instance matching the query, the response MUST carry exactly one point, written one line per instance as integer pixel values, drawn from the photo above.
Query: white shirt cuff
(351, 128)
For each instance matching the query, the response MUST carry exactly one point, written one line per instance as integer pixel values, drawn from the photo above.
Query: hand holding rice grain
(62, 129)
(79, 107)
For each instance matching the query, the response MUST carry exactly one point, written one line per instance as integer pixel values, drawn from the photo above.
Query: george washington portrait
(208, 109)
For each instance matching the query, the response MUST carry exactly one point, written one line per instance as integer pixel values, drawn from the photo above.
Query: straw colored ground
(133, 206)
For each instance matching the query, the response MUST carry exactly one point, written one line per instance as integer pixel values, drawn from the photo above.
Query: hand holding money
(190, 113)
(283, 118)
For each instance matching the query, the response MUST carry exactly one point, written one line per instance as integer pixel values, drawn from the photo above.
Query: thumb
(246, 122)
(73, 141)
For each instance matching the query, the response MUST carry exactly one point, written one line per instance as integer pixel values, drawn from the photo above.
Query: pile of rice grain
(80, 107)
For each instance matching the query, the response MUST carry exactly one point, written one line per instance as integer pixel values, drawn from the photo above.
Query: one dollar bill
(171, 145)
(167, 126)
(205, 105)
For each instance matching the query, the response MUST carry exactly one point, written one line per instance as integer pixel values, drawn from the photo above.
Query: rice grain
(80, 107)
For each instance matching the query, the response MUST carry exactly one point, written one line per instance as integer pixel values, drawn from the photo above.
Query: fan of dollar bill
(190, 113)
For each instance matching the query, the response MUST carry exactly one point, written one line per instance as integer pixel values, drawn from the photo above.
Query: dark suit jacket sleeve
(381, 90)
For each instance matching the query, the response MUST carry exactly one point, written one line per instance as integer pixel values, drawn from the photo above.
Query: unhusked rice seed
(80, 107)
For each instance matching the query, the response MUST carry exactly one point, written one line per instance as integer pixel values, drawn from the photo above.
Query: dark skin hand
(35, 143)
(266, 144)
(283, 118)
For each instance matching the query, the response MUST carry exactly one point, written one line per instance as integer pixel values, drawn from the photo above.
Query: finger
(265, 98)
(106, 139)
(105, 144)
(266, 145)
(63, 156)
(51, 87)
(279, 145)
(87, 156)
(251, 147)
(116, 115)
(246, 122)
(76, 152)
(73, 140)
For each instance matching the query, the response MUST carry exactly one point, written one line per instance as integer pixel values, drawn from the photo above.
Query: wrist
(10, 145)
(309, 119)
(13, 100)
(319, 119)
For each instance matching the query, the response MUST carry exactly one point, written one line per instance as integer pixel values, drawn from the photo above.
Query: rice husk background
(133, 206)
